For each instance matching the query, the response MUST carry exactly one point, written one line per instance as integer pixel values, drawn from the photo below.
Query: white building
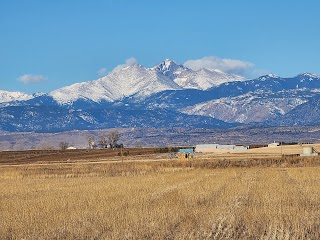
(71, 148)
(214, 147)
(274, 144)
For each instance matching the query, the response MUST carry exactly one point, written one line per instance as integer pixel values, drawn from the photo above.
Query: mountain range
(166, 95)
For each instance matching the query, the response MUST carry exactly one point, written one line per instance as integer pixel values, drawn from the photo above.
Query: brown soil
(53, 156)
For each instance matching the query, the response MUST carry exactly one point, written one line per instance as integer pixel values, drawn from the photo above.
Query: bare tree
(113, 137)
(63, 145)
(103, 141)
(91, 141)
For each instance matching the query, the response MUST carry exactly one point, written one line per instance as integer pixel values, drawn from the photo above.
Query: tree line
(108, 140)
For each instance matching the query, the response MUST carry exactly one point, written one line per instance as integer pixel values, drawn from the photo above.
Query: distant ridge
(6, 96)
(168, 94)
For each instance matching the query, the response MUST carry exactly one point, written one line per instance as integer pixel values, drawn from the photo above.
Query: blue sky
(45, 45)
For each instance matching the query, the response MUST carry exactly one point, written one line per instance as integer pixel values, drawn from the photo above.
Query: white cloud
(30, 78)
(225, 65)
(129, 62)
(102, 72)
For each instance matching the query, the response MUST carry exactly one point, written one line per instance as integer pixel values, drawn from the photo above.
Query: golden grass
(160, 200)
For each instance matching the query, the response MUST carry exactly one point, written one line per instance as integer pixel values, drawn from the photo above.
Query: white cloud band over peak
(102, 71)
(225, 65)
(129, 62)
(30, 78)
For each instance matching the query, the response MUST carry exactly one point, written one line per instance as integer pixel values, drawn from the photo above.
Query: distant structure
(71, 148)
(274, 144)
(186, 150)
(205, 148)
(185, 153)
(308, 151)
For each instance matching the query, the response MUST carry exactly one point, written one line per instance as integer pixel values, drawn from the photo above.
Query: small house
(185, 153)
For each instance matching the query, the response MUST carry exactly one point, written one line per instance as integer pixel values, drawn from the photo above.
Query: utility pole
(121, 154)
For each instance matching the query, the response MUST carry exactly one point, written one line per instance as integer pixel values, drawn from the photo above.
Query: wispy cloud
(102, 72)
(129, 62)
(225, 65)
(30, 78)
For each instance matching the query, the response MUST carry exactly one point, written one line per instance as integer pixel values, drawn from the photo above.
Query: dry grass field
(204, 198)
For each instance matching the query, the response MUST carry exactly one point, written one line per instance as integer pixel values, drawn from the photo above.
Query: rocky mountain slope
(56, 119)
(246, 108)
(306, 114)
(249, 101)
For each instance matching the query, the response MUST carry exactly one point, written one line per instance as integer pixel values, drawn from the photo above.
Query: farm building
(185, 153)
(71, 148)
(186, 150)
(213, 147)
(274, 144)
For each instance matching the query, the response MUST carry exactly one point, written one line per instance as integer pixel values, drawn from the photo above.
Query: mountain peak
(168, 65)
(168, 60)
(311, 75)
(268, 76)
(133, 66)
(170, 69)
(271, 75)
(6, 96)
(126, 80)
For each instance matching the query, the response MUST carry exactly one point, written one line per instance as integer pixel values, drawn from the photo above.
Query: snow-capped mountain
(133, 80)
(6, 96)
(202, 79)
(247, 108)
(168, 94)
(258, 100)
(140, 82)
(171, 69)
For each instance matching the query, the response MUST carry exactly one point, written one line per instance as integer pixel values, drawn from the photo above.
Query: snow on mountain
(133, 95)
(309, 75)
(245, 108)
(306, 114)
(131, 80)
(268, 77)
(6, 96)
(172, 69)
(202, 79)
(140, 82)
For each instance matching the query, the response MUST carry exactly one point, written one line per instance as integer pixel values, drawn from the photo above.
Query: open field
(58, 156)
(151, 197)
